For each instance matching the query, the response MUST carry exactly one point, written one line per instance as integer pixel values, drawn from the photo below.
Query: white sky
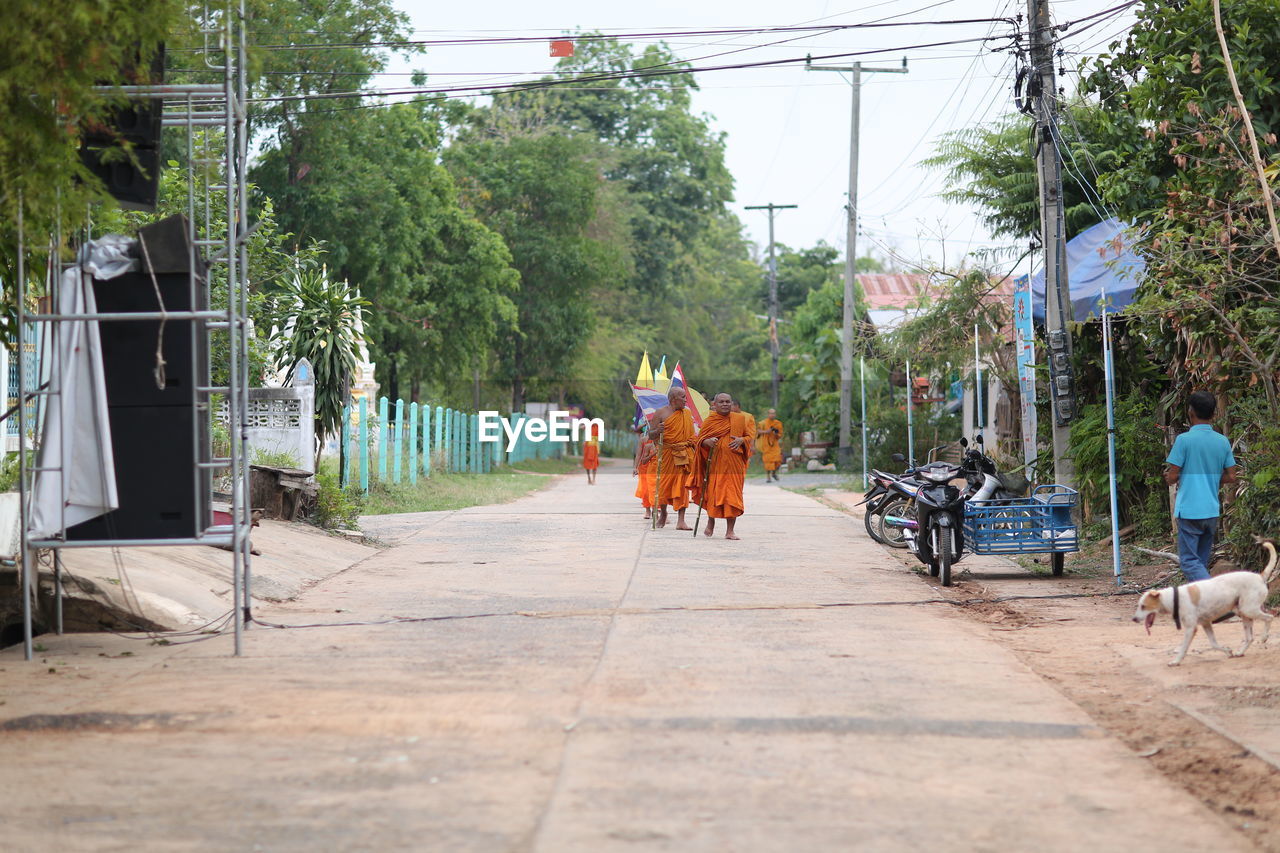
(788, 129)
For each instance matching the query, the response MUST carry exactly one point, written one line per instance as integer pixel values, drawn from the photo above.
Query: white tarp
(78, 397)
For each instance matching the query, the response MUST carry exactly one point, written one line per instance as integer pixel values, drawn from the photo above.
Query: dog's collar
(1177, 619)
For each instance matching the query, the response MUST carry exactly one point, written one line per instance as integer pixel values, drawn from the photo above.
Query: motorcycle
(881, 500)
(937, 535)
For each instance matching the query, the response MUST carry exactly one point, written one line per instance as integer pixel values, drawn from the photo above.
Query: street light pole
(773, 292)
(844, 455)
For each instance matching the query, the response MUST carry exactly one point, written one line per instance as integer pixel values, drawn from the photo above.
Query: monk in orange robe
(591, 454)
(673, 430)
(724, 448)
(770, 435)
(646, 453)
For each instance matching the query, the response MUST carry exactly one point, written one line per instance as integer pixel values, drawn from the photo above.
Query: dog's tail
(1271, 572)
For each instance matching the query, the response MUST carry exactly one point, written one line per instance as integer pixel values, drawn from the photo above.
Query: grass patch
(451, 491)
(564, 465)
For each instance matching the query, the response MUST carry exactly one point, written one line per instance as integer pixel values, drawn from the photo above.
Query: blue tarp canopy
(1093, 268)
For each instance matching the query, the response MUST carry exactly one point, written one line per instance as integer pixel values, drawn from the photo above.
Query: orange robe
(644, 465)
(770, 444)
(728, 467)
(751, 429)
(676, 464)
(591, 451)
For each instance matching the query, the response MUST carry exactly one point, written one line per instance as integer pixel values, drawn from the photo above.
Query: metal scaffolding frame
(202, 106)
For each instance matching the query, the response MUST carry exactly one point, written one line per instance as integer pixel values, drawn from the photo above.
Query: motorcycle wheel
(873, 520)
(943, 558)
(894, 537)
(1058, 562)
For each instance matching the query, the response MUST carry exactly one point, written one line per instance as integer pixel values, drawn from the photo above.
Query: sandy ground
(554, 675)
(1210, 725)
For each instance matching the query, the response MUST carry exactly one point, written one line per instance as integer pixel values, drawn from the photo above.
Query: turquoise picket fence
(396, 442)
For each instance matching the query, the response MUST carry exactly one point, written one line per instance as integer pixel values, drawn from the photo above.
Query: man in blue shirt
(1199, 464)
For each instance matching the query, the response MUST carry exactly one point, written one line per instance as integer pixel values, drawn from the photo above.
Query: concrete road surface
(579, 682)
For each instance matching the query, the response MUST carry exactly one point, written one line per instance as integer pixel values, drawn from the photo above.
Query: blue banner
(1026, 350)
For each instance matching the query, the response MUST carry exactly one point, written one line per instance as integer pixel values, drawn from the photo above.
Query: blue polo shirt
(1203, 454)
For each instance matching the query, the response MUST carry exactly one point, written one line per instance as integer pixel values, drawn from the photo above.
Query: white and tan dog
(1198, 604)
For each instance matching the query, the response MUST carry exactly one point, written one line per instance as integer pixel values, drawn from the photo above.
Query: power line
(629, 36)
(455, 91)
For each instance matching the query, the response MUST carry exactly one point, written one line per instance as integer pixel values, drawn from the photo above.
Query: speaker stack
(157, 433)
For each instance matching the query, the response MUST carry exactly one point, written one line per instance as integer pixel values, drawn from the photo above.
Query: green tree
(1209, 304)
(668, 159)
(1165, 74)
(993, 168)
(318, 320)
(801, 271)
(542, 194)
(374, 192)
(55, 53)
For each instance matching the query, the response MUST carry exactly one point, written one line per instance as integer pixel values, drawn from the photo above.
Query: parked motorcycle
(882, 500)
(937, 536)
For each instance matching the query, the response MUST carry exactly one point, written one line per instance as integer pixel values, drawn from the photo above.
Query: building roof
(892, 290)
(899, 290)
(893, 298)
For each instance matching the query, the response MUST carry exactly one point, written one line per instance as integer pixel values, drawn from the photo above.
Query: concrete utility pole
(1043, 88)
(773, 292)
(844, 456)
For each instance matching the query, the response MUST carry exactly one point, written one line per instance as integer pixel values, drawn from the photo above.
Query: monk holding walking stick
(673, 424)
(726, 472)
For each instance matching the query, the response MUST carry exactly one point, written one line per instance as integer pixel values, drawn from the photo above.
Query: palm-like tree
(318, 320)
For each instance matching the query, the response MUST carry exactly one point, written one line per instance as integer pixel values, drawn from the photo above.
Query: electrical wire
(630, 36)
(440, 94)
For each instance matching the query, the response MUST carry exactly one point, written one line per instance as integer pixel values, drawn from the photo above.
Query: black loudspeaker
(157, 434)
(123, 149)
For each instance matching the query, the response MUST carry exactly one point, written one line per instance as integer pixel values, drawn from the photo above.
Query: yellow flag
(644, 379)
(661, 381)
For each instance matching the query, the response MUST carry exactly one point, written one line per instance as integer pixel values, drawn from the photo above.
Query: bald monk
(724, 442)
(673, 430)
(770, 435)
(646, 452)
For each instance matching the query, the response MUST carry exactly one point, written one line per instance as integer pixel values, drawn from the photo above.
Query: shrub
(337, 507)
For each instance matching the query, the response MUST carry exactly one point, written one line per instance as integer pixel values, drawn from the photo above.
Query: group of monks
(707, 467)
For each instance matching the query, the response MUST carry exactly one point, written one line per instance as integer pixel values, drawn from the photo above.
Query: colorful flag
(698, 405)
(645, 377)
(649, 400)
(661, 382)
(562, 47)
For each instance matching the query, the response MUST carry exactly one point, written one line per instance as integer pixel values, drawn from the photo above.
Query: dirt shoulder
(1210, 725)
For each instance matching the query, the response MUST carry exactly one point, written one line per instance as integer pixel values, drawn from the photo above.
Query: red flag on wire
(561, 47)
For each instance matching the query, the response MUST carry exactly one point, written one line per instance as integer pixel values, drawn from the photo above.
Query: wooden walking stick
(657, 484)
(706, 478)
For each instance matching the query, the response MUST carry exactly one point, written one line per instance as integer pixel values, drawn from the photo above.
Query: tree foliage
(319, 321)
(993, 168)
(668, 159)
(1209, 305)
(55, 53)
(542, 193)
(439, 282)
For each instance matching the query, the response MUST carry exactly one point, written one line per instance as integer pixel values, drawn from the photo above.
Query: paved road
(586, 684)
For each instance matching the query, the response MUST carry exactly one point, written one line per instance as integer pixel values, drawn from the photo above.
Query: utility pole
(773, 292)
(844, 456)
(1043, 89)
